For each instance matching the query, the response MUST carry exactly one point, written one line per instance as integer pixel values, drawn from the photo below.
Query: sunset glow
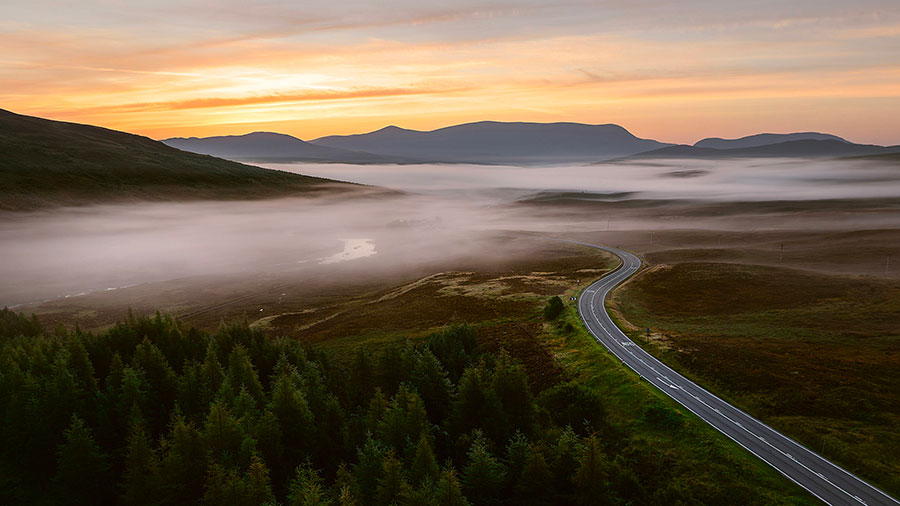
(671, 71)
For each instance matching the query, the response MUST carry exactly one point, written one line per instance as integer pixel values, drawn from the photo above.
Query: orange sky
(671, 71)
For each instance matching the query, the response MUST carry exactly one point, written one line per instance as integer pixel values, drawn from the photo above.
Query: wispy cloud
(314, 68)
(277, 98)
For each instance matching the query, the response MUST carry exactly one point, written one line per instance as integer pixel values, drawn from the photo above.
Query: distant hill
(752, 141)
(491, 142)
(274, 147)
(790, 149)
(51, 163)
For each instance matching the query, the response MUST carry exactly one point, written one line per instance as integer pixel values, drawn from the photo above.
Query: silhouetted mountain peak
(802, 148)
(497, 142)
(765, 139)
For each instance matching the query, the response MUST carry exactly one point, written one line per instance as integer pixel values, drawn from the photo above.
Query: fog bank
(65, 252)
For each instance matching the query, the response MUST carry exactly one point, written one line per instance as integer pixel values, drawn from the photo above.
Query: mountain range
(752, 141)
(492, 142)
(275, 147)
(807, 148)
(49, 163)
(486, 142)
(53, 163)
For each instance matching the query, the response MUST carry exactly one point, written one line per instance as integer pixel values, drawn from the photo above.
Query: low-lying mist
(446, 213)
(729, 179)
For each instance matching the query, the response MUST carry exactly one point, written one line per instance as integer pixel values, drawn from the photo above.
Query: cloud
(179, 68)
(302, 96)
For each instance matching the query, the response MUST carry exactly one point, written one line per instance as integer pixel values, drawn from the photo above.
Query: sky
(672, 71)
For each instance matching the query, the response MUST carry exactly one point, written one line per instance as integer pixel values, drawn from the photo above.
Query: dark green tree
(221, 435)
(423, 466)
(307, 487)
(590, 480)
(82, 469)
(483, 477)
(535, 485)
(575, 405)
(510, 383)
(288, 404)
(454, 346)
(554, 308)
(389, 484)
(258, 485)
(477, 405)
(140, 477)
(242, 374)
(368, 468)
(566, 456)
(448, 491)
(433, 385)
(404, 420)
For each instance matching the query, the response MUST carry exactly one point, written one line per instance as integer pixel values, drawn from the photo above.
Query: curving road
(820, 477)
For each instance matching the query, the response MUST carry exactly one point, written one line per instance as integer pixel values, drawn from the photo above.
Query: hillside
(790, 149)
(752, 141)
(492, 142)
(273, 147)
(49, 163)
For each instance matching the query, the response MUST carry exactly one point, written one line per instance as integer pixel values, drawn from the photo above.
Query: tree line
(152, 411)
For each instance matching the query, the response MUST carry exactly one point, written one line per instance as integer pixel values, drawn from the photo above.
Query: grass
(679, 447)
(813, 355)
(503, 303)
(50, 163)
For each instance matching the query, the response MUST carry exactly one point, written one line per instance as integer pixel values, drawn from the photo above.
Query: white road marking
(603, 287)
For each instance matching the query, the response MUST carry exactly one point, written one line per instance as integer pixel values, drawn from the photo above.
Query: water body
(353, 249)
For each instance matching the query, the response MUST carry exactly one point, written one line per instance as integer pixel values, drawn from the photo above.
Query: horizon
(675, 72)
(496, 121)
(690, 143)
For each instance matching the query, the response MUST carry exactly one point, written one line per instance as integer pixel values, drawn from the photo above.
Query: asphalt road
(820, 477)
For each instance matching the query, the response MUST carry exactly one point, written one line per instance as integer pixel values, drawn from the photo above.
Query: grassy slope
(814, 355)
(51, 163)
(682, 450)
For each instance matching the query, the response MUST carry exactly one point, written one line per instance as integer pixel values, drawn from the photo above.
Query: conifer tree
(368, 468)
(139, 478)
(81, 365)
(518, 452)
(477, 405)
(307, 487)
(258, 485)
(221, 434)
(566, 455)
(211, 372)
(242, 374)
(182, 460)
(424, 465)
(82, 469)
(295, 418)
(484, 476)
(535, 485)
(590, 479)
(433, 385)
(448, 491)
(389, 483)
